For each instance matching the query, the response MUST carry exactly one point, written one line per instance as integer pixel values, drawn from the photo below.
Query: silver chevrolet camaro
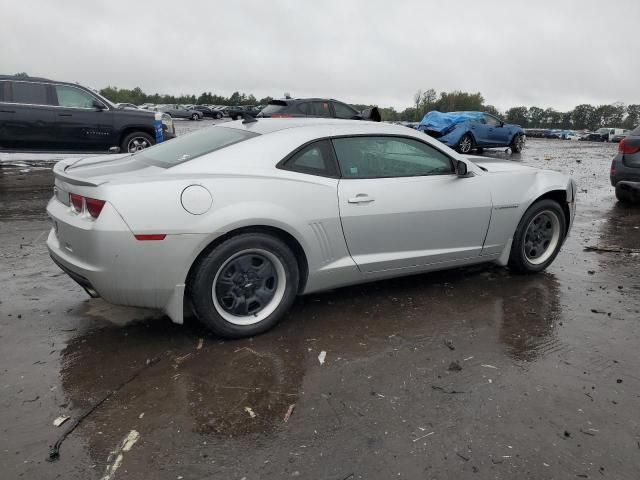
(237, 219)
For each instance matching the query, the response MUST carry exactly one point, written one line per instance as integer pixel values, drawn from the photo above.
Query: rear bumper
(104, 257)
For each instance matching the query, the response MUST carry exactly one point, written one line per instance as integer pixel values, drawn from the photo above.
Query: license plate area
(62, 196)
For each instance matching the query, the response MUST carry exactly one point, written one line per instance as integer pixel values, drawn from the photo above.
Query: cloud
(541, 53)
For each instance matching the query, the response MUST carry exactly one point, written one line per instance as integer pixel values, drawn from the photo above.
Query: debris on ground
(488, 366)
(287, 415)
(449, 344)
(116, 456)
(251, 413)
(455, 366)
(60, 420)
(610, 248)
(423, 436)
(322, 356)
(200, 343)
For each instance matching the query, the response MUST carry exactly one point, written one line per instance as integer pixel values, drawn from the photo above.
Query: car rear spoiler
(372, 114)
(60, 174)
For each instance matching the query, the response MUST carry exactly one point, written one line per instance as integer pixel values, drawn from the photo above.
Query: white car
(241, 217)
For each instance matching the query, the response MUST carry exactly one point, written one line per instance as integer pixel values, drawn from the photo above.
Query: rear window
(635, 131)
(193, 145)
(274, 107)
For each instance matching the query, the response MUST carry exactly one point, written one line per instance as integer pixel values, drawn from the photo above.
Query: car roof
(270, 125)
(35, 79)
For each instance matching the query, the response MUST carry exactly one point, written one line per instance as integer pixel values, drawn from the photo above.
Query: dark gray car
(625, 168)
(180, 111)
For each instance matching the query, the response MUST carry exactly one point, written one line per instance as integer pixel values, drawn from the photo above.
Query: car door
(79, 122)
(403, 207)
(26, 115)
(498, 134)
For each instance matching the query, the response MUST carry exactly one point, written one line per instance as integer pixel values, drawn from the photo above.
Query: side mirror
(502, 124)
(461, 169)
(98, 105)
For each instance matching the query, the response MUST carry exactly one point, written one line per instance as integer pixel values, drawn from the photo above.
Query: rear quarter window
(29, 93)
(191, 146)
(635, 131)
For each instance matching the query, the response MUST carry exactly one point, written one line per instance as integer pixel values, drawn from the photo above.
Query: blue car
(465, 131)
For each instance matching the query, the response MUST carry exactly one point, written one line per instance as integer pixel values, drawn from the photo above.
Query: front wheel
(195, 116)
(517, 144)
(538, 237)
(465, 144)
(218, 116)
(245, 285)
(136, 141)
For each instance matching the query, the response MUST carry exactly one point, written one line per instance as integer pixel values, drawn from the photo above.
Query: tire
(136, 141)
(480, 150)
(625, 195)
(219, 294)
(465, 144)
(195, 117)
(235, 117)
(517, 143)
(538, 238)
(218, 116)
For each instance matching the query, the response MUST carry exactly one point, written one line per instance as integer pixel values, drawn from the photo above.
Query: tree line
(138, 97)
(585, 116)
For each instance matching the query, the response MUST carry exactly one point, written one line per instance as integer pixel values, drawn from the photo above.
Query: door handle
(361, 198)
(7, 111)
(65, 115)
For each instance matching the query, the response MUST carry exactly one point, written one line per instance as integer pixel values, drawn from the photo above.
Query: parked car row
(604, 134)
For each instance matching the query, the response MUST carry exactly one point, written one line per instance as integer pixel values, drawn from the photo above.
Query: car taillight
(76, 202)
(281, 115)
(627, 149)
(93, 205)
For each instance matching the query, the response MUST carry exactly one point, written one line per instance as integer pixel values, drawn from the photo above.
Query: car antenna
(248, 118)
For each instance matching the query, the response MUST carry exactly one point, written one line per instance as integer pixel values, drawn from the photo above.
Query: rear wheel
(136, 141)
(195, 116)
(623, 195)
(245, 285)
(538, 237)
(517, 143)
(465, 144)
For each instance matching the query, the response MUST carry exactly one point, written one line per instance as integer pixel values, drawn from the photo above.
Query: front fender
(512, 194)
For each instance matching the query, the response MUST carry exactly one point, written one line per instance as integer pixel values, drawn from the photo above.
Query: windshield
(193, 145)
(602, 130)
(274, 107)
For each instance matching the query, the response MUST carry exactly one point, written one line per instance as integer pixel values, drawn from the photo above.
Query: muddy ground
(549, 385)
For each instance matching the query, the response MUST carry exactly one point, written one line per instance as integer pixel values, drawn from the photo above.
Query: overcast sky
(544, 53)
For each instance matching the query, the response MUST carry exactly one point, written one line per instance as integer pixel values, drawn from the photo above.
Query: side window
(321, 109)
(344, 111)
(29, 93)
(305, 108)
(73, 97)
(491, 120)
(314, 159)
(379, 157)
(4, 86)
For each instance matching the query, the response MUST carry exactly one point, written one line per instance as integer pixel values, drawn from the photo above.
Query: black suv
(625, 168)
(40, 113)
(236, 111)
(317, 107)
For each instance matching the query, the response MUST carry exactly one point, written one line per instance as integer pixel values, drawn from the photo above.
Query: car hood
(496, 165)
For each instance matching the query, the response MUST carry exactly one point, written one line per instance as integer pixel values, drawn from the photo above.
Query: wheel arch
(136, 128)
(559, 196)
(284, 236)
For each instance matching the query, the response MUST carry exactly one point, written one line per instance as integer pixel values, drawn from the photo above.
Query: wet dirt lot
(549, 385)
